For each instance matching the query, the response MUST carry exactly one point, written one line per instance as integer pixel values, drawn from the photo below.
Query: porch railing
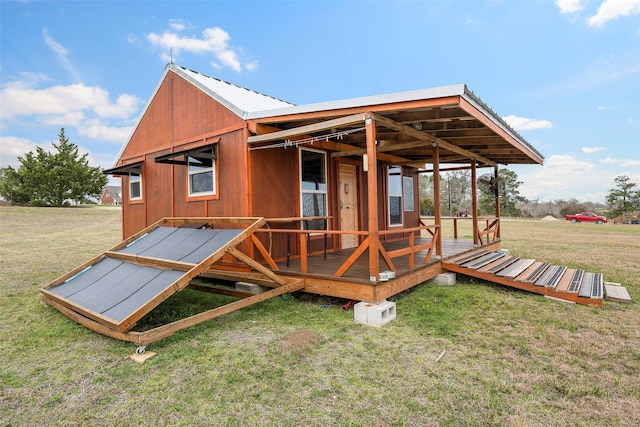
(491, 231)
(488, 230)
(365, 239)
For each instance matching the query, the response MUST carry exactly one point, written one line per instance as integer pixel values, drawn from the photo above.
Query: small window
(135, 186)
(313, 186)
(395, 195)
(201, 176)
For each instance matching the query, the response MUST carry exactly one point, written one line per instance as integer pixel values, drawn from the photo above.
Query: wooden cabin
(337, 183)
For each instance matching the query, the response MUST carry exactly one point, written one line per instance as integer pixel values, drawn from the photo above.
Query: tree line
(64, 176)
(455, 197)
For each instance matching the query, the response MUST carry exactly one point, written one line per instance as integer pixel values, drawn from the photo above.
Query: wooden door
(348, 189)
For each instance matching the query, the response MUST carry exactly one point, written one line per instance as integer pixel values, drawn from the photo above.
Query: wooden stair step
(551, 276)
(565, 282)
(576, 281)
(483, 260)
(597, 291)
(468, 257)
(591, 286)
(491, 265)
(532, 273)
(505, 262)
(516, 268)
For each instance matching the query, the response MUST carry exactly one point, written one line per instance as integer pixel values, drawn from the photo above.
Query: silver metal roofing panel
(412, 95)
(238, 99)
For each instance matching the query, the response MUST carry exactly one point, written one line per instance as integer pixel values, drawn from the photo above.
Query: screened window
(313, 183)
(395, 195)
(201, 176)
(135, 186)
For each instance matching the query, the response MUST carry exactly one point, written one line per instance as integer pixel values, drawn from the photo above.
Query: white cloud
(59, 103)
(214, 41)
(564, 177)
(177, 24)
(54, 45)
(523, 123)
(590, 150)
(12, 147)
(97, 130)
(610, 10)
(568, 177)
(87, 110)
(570, 6)
(62, 54)
(251, 65)
(625, 163)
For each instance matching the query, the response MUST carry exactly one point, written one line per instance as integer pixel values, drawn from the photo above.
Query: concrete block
(360, 312)
(375, 314)
(445, 279)
(251, 288)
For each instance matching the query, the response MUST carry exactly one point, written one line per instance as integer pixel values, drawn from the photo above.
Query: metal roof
(240, 100)
(450, 113)
(413, 95)
(400, 97)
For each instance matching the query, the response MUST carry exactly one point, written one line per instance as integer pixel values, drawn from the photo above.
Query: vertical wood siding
(177, 114)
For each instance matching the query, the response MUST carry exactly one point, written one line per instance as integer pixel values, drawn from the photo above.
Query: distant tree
(510, 197)
(571, 206)
(625, 197)
(51, 179)
(426, 194)
(455, 191)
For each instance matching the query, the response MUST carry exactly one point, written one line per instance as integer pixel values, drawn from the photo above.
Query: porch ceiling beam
(408, 130)
(346, 150)
(308, 129)
(382, 148)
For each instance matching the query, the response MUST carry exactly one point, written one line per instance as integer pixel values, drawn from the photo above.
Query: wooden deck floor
(319, 266)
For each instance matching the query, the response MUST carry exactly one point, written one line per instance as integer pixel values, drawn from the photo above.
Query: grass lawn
(510, 358)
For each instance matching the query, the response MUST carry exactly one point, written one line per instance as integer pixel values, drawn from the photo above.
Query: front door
(348, 183)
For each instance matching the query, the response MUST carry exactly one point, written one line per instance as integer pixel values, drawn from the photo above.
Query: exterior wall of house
(275, 193)
(180, 117)
(106, 198)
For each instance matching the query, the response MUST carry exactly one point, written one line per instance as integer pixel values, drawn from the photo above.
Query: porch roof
(408, 125)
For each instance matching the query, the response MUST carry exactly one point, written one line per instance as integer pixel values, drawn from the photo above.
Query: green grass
(510, 357)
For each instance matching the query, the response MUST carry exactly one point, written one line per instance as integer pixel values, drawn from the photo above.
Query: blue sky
(565, 74)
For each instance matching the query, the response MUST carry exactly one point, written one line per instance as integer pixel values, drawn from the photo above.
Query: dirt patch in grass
(301, 341)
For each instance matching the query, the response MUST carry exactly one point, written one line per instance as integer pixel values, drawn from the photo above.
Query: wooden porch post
(497, 180)
(436, 198)
(372, 194)
(474, 201)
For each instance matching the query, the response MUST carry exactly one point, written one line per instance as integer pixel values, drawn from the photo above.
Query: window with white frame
(313, 187)
(394, 190)
(202, 176)
(135, 186)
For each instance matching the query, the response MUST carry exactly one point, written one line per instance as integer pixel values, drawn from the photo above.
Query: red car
(587, 217)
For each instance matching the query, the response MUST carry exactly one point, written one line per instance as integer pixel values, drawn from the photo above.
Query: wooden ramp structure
(114, 290)
(554, 281)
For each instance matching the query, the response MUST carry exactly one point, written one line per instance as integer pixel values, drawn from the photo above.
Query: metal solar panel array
(553, 280)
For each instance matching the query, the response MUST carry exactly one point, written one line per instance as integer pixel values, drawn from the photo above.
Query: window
(313, 187)
(394, 190)
(134, 172)
(135, 186)
(201, 167)
(201, 176)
